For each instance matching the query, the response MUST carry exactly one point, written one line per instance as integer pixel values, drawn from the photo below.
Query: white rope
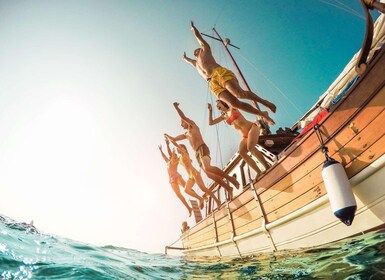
(344, 7)
(271, 83)
(220, 13)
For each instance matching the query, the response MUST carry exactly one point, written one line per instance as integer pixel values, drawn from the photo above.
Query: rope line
(344, 7)
(270, 82)
(220, 13)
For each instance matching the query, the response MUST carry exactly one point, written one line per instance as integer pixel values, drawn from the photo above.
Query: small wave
(25, 254)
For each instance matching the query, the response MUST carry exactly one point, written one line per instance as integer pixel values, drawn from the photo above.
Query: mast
(225, 43)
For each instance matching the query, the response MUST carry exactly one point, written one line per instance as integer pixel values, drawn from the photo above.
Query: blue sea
(27, 254)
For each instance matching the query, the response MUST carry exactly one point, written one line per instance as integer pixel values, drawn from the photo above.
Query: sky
(86, 93)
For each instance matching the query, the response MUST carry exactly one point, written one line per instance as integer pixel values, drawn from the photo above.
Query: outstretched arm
(199, 37)
(166, 159)
(215, 121)
(182, 115)
(190, 61)
(176, 138)
(173, 141)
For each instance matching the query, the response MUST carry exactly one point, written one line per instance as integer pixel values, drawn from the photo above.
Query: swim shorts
(201, 152)
(218, 80)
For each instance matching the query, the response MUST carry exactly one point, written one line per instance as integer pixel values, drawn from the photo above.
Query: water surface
(27, 254)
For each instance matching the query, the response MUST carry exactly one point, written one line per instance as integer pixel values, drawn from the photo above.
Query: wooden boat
(288, 207)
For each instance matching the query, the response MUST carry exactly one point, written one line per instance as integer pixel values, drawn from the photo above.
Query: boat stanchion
(337, 185)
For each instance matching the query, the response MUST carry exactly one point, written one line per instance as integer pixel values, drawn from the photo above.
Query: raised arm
(168, 147)
(182, 115)
(173, 141)
(199, 37)
(166, 159)
(176, 138)
(190, 61)
(215, 121)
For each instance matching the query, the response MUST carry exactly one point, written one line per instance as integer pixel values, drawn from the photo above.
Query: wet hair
(223, 103)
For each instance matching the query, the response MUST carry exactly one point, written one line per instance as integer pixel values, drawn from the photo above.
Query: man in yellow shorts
(222, 82)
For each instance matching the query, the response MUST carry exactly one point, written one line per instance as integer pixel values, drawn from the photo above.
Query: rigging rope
(270, 82)
(209, 99)
(344, 7)
(208, 93)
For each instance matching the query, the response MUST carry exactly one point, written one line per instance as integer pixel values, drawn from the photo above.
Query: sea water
(27, 254)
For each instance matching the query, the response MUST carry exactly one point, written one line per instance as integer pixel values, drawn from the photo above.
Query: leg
(219, 180)
(260, 158)
(234, 102)
(219, 172)
(243, 151)
(218, 175)
(233, 87)
(252, 140)
(201, 185)
(175, 188)
(189, 190)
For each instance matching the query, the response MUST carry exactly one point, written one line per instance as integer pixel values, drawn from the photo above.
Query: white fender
(339, 191)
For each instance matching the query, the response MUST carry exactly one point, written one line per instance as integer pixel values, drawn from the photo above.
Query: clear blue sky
(86, 92)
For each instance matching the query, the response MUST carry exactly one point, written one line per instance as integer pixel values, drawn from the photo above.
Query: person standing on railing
(222, 82)
(202, 152)
(176, 179)
(249, 131)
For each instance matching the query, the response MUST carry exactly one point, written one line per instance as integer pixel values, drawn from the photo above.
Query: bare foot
(230, 193)
(218, 203)
(272, 107)
(266, 117)
(202, 203)
(235, 183)
(190, 212)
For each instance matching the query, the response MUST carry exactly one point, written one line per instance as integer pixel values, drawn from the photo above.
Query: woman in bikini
(176, 179)
(248, 130)
(194, 175)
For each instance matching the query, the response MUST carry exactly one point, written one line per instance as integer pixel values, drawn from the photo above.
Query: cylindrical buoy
(339, 191)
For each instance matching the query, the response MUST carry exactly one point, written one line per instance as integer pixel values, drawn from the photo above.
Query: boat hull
(312, 225)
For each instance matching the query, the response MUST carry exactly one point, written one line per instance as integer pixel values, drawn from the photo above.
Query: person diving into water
(176, 179)
(222, 82)
(202, 152)
(249, 131)
(194, 175)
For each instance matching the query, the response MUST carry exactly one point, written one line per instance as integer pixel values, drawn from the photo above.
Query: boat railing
(367, 43)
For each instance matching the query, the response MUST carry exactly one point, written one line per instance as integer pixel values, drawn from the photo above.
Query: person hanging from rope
(202, 152)
(249, 131)
(222, 82)
(194, 175)
(176, 179)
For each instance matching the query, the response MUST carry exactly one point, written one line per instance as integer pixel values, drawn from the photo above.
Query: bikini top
(235, 114)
